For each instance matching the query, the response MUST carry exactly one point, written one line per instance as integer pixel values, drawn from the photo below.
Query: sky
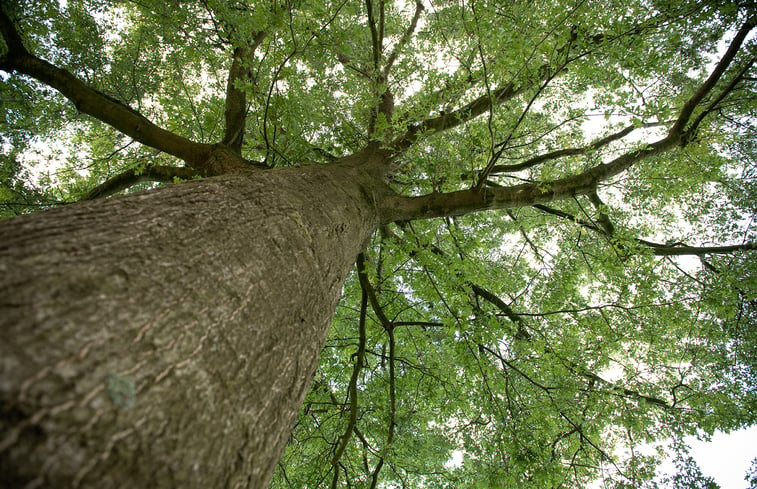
(726, 458)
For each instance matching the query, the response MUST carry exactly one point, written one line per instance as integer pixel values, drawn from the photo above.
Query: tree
(688, 474)
(751, 475)
(521, 313)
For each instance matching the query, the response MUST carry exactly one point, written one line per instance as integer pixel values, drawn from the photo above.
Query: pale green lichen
(121, 391)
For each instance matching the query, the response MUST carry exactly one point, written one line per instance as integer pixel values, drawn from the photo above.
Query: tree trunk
(167, 338)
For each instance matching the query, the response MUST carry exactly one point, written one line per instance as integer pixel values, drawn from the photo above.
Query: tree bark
(167, 338)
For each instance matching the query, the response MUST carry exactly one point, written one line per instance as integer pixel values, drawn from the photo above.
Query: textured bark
(167, 338)
(235, 113)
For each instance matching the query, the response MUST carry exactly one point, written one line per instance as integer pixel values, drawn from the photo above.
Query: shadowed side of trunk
(167, 338)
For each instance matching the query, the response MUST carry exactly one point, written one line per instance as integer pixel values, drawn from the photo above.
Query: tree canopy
(565, 274)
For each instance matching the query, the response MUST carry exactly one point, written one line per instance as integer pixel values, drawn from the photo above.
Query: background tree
(751, 476)
(604, 301)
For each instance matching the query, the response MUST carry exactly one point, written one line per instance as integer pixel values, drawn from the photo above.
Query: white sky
(726, 458)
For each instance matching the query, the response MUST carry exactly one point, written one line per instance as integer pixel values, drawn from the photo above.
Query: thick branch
(129, 178)
(235, 112)
(603, 219)
(375, 39)
(462, 202)
(11, 36)
(381, 26)
(691, 131)
(385, 106)
(95, 103)
(365, 284)
(688, 108)
(457, 117)
(680, 250)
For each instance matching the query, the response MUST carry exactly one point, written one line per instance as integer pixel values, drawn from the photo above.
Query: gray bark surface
(167, 338)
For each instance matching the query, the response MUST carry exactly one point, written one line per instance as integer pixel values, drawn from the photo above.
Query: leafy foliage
(751, 476)
(537, 346)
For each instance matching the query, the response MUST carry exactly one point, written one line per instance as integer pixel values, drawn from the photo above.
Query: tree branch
(680, 250)
(576, 369)
(235, 113)
(483, 103)
(353, 391)
(95, 103)
(236, 102)
(603, 219)
(658, 249)
(371, 293)
(461, 202)
(620, 389)
(507, 364)
(400, 208)
(405, 39)
(392, 408)
(375, 39)
(553, 155)
(457, 117)
(522, 332)
(691, 131)
(129, 178)
(381, 27)
(385, 104)
(484, 174)
(688, 108)
(570, 217)
(349, 63)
